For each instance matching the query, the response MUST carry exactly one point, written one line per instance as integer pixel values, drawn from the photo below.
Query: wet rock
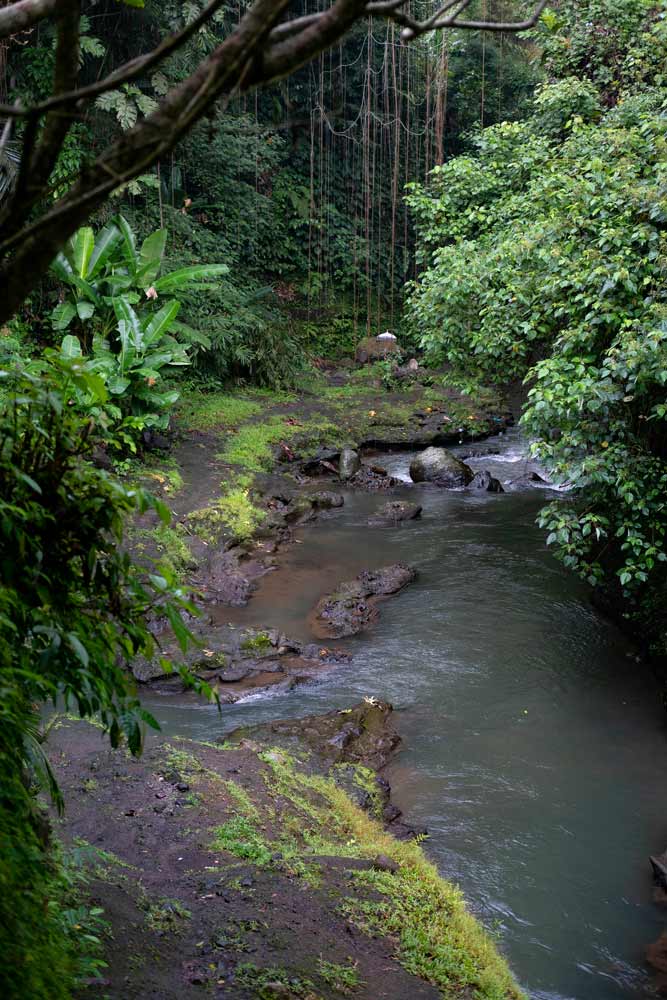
(485, 481)
(659, 866)
(226, 582)
(322, 464)
(371, 478)
(324, 500)
(395, 511)
(349, 463)
(370, 741)
(439, 466)
(234, 673)
(351, 608)
(528, 480)
(299, 510)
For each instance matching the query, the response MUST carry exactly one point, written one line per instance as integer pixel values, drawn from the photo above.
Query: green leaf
(106, 242)
(185, 276)
(82, 245)
(62, 316)
(70, 347)
(150, 257)
(85, 309)
(159, 324)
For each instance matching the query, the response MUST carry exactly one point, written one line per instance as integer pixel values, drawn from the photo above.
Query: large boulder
(374, 348)
(439, 466)
(349, 463)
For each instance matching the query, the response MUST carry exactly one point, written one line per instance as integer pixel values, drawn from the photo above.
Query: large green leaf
(62, 267)
(70, 347)
(82, 245)
(191, 336)
(62, 316)
(150, 257)
(105, 244)
(185, 276)
(85, 309)
(129, 330)
(159, 324)
(129, 243)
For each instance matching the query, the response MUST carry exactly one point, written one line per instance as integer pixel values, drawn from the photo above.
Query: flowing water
(532, 737)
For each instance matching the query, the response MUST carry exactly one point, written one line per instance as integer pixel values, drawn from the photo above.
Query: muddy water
(533, 740)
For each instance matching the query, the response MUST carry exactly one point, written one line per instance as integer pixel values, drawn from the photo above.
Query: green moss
(205, 411)
(183, 762)
(171, 548)
(167, 916)
(256, 643)
(262, 982)
(251, 446)
(165, 474)
(438, 939)
(233, 513)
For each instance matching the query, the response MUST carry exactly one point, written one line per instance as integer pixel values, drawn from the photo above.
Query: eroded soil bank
(272, 864)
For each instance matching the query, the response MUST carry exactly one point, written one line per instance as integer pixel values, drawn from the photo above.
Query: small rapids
(531, 735)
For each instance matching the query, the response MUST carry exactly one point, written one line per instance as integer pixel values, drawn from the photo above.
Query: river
(532, 736)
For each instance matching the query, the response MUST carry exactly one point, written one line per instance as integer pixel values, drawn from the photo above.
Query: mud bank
(266, 866)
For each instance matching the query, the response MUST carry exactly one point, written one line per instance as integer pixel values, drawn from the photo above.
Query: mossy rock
(372, 349)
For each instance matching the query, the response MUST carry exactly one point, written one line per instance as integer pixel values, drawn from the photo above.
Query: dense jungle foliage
(543, 255)
(533, 243)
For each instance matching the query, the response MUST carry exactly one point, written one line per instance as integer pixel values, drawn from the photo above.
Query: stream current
(532, 738)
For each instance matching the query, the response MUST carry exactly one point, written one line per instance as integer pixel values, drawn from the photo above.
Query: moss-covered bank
(248, 868)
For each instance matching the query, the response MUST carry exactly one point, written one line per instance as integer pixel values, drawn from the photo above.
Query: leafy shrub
(555, 257)
(73, 614)
(557, 105)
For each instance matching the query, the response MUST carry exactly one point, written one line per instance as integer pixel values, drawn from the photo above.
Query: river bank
(209, 882)
(269, 864)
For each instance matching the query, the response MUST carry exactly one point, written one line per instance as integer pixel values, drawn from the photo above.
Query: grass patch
(344, 978)
(263, 982)
(172, 549)
(167, 916)
(256, 643)
(239, 836)
(165, 474)
(234, 513)
(251, 447)
(438, 939)
(205, 411)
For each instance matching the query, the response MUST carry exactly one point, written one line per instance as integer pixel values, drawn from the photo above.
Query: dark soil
(190, 920)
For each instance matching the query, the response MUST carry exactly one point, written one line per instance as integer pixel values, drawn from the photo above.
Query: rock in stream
(352, 607)
(440, 467)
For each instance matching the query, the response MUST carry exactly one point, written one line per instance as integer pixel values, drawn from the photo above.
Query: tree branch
(23, 15)
(259, 50)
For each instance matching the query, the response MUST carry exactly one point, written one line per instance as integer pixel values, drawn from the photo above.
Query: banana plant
(97, 269)
(134, 365)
